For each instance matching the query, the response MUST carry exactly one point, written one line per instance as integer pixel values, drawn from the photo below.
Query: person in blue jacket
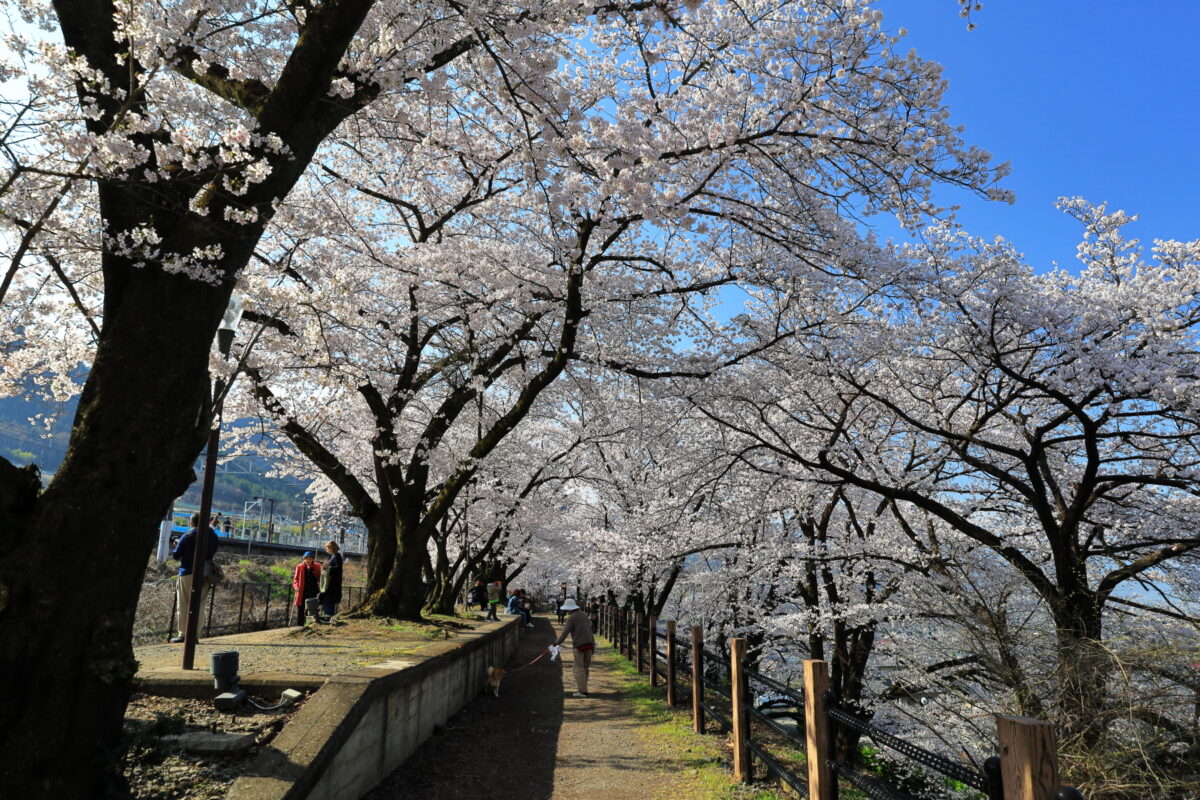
(183, 553)
(516, 605)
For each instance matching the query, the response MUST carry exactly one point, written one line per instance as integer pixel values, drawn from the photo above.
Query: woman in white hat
(580, 631)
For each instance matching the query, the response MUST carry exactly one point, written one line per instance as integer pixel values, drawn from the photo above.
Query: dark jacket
(185, 549)
(333, 584)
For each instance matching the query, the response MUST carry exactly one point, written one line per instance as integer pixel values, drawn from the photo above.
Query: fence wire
(228, 607)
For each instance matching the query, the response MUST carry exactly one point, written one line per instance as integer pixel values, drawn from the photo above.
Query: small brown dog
(495, 674)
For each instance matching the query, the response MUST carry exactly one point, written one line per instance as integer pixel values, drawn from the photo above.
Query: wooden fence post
(741, 717)
(639, 633)
(816, 731)
(652, 636)
(1028, 758)
(697, 679)
(632, 635)
(671, 661)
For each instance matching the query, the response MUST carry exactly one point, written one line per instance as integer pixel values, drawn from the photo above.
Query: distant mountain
(23, 442)
(238, 482)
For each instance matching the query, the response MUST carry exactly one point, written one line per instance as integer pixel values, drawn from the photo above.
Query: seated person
(516, 606)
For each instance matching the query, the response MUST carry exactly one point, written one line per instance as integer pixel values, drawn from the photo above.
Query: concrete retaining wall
(361, 725)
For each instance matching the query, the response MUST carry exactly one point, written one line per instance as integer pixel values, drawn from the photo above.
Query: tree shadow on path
(501, 747)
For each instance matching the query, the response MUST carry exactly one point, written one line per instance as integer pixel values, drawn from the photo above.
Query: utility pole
(271, 521)
(225, 334)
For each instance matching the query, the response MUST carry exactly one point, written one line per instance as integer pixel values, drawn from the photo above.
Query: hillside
(239, 481)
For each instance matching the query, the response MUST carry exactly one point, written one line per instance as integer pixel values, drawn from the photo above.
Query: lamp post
(225, 333)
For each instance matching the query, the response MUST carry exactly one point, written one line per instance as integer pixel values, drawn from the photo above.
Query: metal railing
(230, 607)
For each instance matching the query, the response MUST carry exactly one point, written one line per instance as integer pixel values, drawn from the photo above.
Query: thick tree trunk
(402, 595)
(443, 596)
(851, 655)
(381, 550)
(1084, 666)
(443, 590)
(69, 588)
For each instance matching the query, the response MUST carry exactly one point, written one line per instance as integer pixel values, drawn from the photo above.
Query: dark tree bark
(67, 598)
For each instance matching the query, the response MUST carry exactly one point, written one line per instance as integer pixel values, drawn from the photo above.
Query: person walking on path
(331, 580)
(305, 580)
(183, 553)
(493, 599)
(579, 629)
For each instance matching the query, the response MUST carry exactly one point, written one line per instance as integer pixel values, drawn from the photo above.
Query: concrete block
(212, 744)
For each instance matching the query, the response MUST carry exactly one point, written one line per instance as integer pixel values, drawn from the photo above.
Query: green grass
(707, 754)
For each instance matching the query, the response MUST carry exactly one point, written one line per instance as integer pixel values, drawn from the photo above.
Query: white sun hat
(569, 605)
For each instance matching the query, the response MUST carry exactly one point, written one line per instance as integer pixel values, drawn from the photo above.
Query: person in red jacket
(306, 580)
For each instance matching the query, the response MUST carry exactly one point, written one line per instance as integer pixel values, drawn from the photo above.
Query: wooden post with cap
(1028, 758)
(741, 716)
(816, 731)
(652, 637)
(671, 661)
(697, 679)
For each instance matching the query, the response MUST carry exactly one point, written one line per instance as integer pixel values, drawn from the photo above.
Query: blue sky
(1098, 98)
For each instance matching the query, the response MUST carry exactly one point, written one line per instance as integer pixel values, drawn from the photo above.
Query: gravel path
(536, 742)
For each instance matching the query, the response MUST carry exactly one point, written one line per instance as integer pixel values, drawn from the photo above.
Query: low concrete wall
(361, 725)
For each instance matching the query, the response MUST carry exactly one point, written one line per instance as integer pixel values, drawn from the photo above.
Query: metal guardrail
(926, 758)
(722, 722)
(231, 607)
(871, 786)
(793, 780)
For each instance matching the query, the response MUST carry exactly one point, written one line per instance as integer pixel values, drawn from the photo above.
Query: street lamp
(225, 333)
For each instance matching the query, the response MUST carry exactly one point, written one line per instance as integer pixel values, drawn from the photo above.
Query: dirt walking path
(536, 742)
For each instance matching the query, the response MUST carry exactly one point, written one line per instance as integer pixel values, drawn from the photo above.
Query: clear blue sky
(1098, 98)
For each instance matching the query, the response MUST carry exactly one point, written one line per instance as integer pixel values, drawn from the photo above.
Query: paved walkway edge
(361, 725)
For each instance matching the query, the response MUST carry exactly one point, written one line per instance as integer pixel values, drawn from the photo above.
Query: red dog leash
(530, 664)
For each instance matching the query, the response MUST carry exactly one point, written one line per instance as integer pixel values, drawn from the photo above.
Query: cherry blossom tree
(154, 144)
(1047, 420)
(582, 216)
(630, 157)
